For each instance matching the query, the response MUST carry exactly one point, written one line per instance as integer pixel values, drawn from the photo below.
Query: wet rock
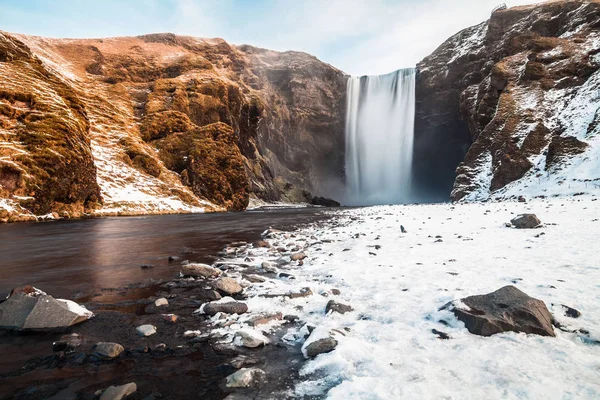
(28, 308)
(161, 302)
(245, 377)
(298, 256)
(243, 361)
(255, 278)
(200, 270)
(526, 221)
(171, 318)
(250, 338)
(208, 294)
(228, 286)
(507, 309)
(233, 307)
(108, 350)
(118, 392)
(264, 319)
(319, 346)
(146, 330)
(440, 334)
(324, 201)
(333, 306)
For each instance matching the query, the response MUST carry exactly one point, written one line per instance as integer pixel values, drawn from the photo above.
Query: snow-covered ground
(386, 346)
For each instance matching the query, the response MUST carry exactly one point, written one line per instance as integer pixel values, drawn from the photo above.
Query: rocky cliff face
(524, 89)
(161, 123)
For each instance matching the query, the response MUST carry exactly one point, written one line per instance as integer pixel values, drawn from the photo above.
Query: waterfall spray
(380, 119)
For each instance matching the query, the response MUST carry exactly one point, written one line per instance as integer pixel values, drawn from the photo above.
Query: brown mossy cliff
(502, 90)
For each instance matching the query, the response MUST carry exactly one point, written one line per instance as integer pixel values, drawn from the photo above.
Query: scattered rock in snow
(298, 256)
(255, 278)
(402, 229)
(526, 221)
(146, 330)
(200, 270)
(161, 302)
(440, 334)
(507, 309)
(571, 312)
(335, 292)
(232, 307)
(250, 338)
(118, 392)
(333, 306)
(228, 286)
(262, 319)
(319, 346)
(108, 350)
(29, 308)
(268, 266)
(304, 292)
(245, 377)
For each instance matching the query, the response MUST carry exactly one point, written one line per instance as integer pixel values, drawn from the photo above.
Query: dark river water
(72, 258)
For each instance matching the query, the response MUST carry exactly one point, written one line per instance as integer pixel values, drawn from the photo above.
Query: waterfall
(380, 119)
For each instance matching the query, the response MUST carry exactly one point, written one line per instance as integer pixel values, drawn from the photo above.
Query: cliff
(160, 124)
(521, 93)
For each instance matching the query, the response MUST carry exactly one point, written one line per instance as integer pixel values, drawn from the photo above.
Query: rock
(108, 350)
(269, 267)
(333, 306)
(255, 278)
(118, 392)
(526, 221)
(191, 334)
(335, 292)
(28, 308)
(298, 256)
(402, 229)
(146, 330)
(172, 318)
(250, 338)
(228, 286)
(571, 312)
(325, 202)
(232, 307)
(440, 334)
(304, 292)
(200, 270)
(264, 319)
(174, 258)
(243, 361)
(507, 309)
(161, 302)
(245, 377)
(319, 346)
(262, 243)
(291, 318)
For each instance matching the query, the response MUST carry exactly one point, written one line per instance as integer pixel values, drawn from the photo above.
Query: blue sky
(357, 36)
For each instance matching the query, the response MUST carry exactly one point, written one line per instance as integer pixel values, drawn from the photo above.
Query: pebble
(146, 330)
(161, 302)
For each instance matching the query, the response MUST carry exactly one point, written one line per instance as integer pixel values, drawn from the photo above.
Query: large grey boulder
(506, 309)
(28, 308)
(526, 221)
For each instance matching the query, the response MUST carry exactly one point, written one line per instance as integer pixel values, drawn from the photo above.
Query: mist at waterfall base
(380, 118)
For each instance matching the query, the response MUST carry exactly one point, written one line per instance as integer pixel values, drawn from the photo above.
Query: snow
(76, 308)
(386, 348)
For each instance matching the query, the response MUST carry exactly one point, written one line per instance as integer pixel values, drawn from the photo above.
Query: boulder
(333, 306)
(228, 286)
(108, 350)
(28, 308)
(325, 202)
(118, 392)
(232, 307)
(526, 221)
(146, 330)
(250, 338)
(245, 377)
(200, 270)
(507, 309)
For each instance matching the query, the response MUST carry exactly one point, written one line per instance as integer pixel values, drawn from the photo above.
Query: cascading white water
(380, 120)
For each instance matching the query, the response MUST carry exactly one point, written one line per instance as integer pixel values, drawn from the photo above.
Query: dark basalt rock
(325, 202)
(333, 306)
(507, 309)
(234, 307)
(320, 346)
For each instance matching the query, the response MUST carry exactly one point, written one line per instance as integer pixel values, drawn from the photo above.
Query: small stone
(161, 302)
(264, 319)
(118, 392)
(200, 270)
(321, 346)
(333, 306)
(146, 330)
(250, 338)
(233, 307)
(243, 361)
(255, 278)
(304, 292)
(440, 334)
(262, 243)
(571, 312)
(172, 318)
(291, 318)
(402, 229)
(269, 267)
(245, 377)
(298, 256)
(526, 221)
(228, 286)
(108, 350)
(335, 292)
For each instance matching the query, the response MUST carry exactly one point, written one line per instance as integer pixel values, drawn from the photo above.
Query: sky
(360, 37)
